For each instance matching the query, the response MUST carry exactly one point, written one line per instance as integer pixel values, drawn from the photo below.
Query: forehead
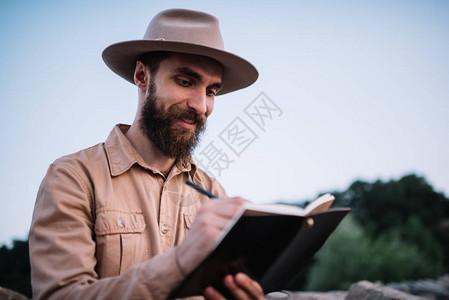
(205, 66)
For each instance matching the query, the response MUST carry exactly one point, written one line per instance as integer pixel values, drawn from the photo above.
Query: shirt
(106, 223)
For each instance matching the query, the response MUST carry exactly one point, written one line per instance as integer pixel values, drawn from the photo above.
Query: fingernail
(209, 292)
(240, 278)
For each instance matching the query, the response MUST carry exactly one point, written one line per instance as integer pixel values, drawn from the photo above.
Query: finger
(224, 207)
(250, 286)
(234, 289)
(212, 294)
(218, 213)
(210, 221)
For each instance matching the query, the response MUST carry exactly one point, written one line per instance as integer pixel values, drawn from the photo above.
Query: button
(121, 223)
(309, 222)
(164, 229)
(165, 188)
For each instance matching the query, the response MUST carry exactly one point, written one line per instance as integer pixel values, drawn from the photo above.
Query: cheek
(210, 107)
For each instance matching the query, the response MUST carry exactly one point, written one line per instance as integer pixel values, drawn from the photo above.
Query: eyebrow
(197, 76)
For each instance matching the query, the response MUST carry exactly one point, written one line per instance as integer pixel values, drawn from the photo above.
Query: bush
(351, 255)
(15, 268)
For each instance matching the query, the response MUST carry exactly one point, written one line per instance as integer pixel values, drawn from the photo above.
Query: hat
(186, 31)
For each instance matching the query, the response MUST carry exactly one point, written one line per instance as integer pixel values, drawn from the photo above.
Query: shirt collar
(122, 155)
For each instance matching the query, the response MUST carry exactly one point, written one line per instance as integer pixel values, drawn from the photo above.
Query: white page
(284, 209)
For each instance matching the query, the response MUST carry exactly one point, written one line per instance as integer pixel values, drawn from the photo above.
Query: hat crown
(188, 26)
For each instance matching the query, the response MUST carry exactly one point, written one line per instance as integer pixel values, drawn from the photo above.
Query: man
(116, 221)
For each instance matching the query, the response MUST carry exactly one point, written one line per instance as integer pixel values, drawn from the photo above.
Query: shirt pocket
(188, 220)
(121, 241)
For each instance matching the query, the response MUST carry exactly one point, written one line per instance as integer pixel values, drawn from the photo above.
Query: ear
(141, 76)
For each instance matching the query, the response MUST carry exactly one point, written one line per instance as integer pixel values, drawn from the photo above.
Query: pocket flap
(114, 222)
(188, 220)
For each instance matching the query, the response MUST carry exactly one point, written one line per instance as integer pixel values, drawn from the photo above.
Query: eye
(183, 82)
(211, 92)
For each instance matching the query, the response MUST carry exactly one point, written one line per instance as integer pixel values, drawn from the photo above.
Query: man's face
(180, 97)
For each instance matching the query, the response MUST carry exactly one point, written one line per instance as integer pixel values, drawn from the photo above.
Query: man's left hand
(239, 285)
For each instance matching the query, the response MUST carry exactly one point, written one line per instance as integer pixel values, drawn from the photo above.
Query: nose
(198, 102)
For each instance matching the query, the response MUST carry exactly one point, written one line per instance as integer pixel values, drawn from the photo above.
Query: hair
(153, 60)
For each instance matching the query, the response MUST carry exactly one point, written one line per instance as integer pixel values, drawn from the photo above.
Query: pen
(200, 189)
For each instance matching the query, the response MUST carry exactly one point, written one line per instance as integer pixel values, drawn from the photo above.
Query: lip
(186, 125)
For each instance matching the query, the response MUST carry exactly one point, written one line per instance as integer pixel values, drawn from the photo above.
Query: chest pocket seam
(115, 222)
(121, 240)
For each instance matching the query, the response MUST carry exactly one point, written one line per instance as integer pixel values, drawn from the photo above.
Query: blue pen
(200, 189)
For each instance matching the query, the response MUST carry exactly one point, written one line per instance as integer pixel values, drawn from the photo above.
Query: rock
(284, 295)
(319, 296)
(6, 294)
(437, 289)
(373, 291)
(277, 296)
(423, 288)
(444, 281)
(365, 290)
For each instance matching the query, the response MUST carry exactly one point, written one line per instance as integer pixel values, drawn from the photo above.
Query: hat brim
(237, 72)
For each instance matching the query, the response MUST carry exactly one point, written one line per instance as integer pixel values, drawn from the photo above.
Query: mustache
(177, 112)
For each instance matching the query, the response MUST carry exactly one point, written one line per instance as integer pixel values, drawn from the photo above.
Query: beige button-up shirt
(105, 224)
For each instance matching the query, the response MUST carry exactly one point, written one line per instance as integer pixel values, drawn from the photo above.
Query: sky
(347, 90)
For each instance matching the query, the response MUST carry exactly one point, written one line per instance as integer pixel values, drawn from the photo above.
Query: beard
(159, 125)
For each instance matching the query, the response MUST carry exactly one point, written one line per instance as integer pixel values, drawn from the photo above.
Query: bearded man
(116, 221)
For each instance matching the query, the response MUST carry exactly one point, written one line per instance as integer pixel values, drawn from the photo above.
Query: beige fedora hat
(186, 31)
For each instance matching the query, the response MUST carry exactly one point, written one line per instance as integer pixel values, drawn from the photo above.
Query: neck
(147, 150)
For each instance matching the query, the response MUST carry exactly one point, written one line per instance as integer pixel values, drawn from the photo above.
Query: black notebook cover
(271, 249)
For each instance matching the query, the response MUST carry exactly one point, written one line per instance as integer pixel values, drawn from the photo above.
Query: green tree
(15, 268)
(409, 206)
(397, 230)
(351, 254)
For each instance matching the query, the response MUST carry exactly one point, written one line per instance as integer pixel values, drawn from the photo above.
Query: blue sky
(362, 87)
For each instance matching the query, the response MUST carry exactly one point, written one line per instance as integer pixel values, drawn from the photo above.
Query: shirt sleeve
(62, 248)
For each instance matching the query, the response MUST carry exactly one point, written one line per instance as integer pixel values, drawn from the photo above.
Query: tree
(15, 268)
(397, 230)
(409, 206)
(351, 255)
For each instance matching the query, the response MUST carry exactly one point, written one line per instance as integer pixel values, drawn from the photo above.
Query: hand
(212, 218)
(239, 285)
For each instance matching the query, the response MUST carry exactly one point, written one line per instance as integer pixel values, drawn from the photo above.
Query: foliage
(409, 207)
(397, 231)
(351, 255)
(15, 268)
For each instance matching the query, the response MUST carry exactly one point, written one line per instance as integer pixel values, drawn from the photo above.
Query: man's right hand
(212, 218)
(207, 227)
